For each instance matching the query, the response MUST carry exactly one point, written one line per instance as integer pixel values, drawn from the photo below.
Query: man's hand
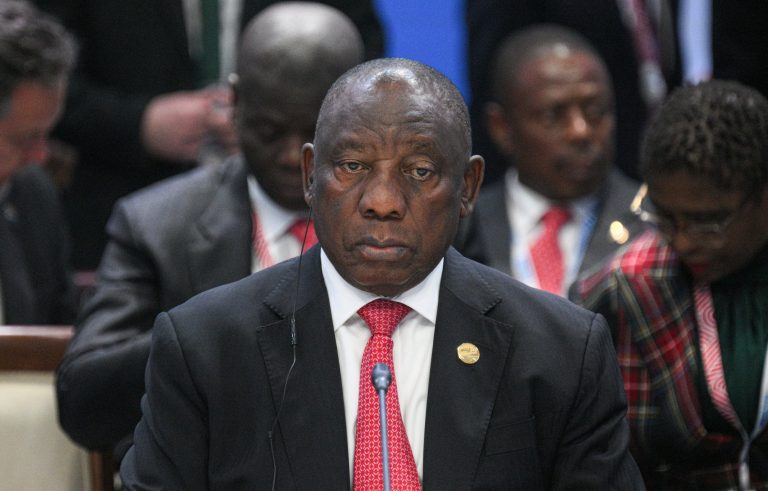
(175, 124)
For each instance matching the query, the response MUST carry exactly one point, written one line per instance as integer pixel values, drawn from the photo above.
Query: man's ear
(498, 128)
(307, 171)
(473, 178)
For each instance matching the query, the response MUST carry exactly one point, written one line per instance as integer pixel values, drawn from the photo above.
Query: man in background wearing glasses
(688, 303)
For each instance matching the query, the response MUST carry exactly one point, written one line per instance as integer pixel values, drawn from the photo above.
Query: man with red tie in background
(562, 206)
(266, 382)
(211, 226)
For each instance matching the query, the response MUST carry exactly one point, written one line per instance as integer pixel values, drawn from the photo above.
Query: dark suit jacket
(132, 51)
(167, 243)
(739, 51)
(600, 21)
(487, 237)
(542, 409)
(34, 252)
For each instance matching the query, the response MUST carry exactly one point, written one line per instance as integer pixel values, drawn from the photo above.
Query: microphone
(381, 377)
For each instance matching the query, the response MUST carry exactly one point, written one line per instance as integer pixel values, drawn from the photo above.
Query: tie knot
(383, 316)
(297, 230)
(556, 217)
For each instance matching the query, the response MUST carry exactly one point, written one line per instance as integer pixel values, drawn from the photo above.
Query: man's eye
(420, 173)
(351, 166)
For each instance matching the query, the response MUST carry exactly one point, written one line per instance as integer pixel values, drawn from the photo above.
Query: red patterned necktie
(545, 253)
(382, 317)
(260, 247)
(297, 230)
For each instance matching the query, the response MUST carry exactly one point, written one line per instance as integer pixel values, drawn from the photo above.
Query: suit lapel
(311, 424)
(220, 241)
(615, 199)
(495, 228)
(461, 396)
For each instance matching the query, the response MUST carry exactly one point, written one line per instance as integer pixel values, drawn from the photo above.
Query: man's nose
(383, 196)
(577, 125)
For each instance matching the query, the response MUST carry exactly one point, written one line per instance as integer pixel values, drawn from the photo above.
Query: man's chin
(383, 283)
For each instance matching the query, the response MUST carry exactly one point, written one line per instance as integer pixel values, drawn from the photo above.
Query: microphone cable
(294, 342)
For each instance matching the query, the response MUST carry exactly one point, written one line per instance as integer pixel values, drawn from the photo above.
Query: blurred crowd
(151, 150)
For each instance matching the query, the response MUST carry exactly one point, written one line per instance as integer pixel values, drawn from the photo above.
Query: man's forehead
(386, 101)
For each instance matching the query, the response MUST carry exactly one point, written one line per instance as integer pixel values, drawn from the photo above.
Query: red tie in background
(297, 230)
(382, 317)
(545, 253)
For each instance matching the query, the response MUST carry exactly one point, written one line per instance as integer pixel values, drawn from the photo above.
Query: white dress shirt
(274, 223)
(525, 207)
(412, 352)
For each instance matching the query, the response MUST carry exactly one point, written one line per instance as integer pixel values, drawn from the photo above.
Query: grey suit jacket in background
(34, 252)
(487, 238)
(543, 408)
(167, 243)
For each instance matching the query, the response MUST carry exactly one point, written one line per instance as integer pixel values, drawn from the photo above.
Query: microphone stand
(381, 377)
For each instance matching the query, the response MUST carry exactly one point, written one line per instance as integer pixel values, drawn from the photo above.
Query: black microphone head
(381, 376)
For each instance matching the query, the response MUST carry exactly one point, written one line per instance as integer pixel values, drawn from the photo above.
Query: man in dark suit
(137, 109)
(256, 384)
(36, 57)
(208, 227)
(607, 24)
(552, 116)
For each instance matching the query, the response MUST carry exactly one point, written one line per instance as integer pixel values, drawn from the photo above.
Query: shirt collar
(529, 206)
(346, 299)
(274, 220)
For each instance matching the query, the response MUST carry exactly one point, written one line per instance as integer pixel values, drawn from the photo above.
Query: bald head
(437, 97)
(301, 44)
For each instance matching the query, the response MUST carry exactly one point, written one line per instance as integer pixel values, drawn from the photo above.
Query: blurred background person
(688, 303)
(562, 206)
(635, 39)
(208, 227)
(147, 97)
(36, 58)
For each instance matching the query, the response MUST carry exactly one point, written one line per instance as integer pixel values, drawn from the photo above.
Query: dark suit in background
(739, 50)
(488, 238)
(600, 21)
(34, 252)
(132, 51)
(526, 416)
(168, 242)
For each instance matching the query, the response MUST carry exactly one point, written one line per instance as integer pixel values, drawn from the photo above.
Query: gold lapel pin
(618, 232)
(468, 353)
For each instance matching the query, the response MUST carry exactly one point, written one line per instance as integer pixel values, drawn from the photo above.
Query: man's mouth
(382, 250)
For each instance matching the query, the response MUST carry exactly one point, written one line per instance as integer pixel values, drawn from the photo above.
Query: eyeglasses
(711, 232)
